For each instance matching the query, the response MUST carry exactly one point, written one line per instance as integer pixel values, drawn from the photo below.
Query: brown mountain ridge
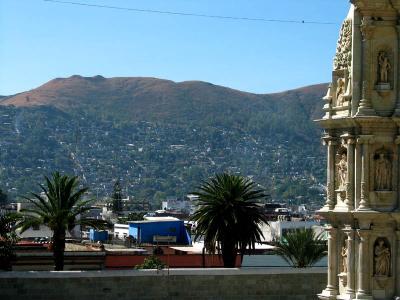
(152, 99)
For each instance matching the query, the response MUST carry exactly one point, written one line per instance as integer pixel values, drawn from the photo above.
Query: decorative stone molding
(373, 5)
(342, 59)
(367, 28)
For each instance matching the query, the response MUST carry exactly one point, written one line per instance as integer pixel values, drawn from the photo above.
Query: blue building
(160, 231)
(95, 235)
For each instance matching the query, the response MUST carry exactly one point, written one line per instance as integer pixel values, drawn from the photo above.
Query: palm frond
(302, 248)
(228, 214)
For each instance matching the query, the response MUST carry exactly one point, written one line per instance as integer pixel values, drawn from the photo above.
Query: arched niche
(341, 168)
(383, 170)
(382, 257)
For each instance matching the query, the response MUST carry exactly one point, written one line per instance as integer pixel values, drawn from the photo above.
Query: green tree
(229, 216)
(117, 198)
(60, 208)
(8, 238)
(301, 248)
(3, 198)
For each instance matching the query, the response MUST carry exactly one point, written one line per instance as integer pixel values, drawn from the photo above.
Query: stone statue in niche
(344, 259)
(384, 67)
(340, 90)
(381, 258)
(383, 173)
(342, 171)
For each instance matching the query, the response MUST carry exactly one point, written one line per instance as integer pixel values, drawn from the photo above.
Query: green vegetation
(228, 216)
(140, 155)
(117, 198)
(134, 216)
(152, 262)
(302, 248)
(160, 139)
(3, 198)
(60, 209)
(8, 239)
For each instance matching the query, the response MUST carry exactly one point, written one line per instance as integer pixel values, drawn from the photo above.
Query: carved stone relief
(382, 255)
(384, 67)
(340, 90)
(383, 171)
(342, 59)
(343, 254)
(341, 168)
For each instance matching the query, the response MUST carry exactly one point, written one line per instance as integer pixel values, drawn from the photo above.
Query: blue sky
(41, 40)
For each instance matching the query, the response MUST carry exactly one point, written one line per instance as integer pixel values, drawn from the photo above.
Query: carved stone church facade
(362, 136)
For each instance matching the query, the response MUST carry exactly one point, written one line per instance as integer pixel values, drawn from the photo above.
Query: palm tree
(60, 209)
(228, 216)
(301, 248)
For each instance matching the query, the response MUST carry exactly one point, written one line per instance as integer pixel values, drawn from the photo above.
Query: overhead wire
(177, 13)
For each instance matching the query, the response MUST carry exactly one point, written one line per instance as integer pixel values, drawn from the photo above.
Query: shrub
(152, 262)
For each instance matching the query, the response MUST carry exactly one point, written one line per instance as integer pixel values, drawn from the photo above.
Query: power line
(176, 13)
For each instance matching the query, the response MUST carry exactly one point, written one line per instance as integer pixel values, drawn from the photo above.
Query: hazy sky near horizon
(41, 40)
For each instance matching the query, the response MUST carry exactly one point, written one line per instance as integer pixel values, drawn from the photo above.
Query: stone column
(365, 140)
(357, 175)
(367, 30)
(330, 173)
(332, 286)
(350, 172)
(363, 291)
(397, 260)
(357, 61)
(350, 289)
(397, 110)
(396, 183)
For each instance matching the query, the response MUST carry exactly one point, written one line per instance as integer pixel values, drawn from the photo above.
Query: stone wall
(246, 284)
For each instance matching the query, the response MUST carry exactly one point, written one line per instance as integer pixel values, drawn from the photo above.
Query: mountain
(171, 135)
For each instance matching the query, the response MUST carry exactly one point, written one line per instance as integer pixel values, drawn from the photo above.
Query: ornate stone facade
(362, 135)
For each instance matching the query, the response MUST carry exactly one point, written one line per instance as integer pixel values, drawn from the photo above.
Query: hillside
(160, 137)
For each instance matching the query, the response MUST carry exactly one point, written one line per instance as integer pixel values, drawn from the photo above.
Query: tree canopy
(302, 248)
(228, 215)
(60, 207)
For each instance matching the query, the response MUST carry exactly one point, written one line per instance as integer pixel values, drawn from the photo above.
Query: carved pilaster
(396, 186)
(365, 140)
(330, 142)
(350, 141)
(331, 289)
(357, 175)
(364, 289)
(365, 106)
(397, 110)
(367, 30)
(350, 288)
(398, 259)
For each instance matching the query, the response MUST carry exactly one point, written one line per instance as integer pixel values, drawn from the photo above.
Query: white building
(274, 230)
(121, 231)
(42, 231)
